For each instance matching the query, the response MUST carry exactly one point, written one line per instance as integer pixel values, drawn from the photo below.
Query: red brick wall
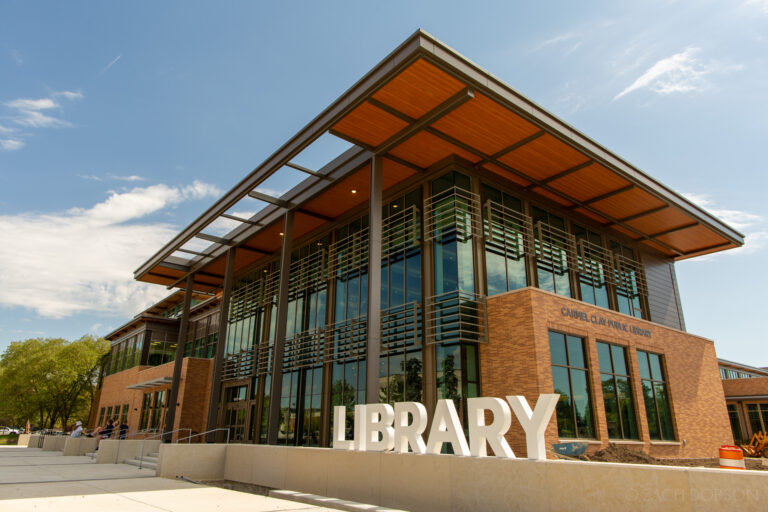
(516, 361)
(746, 387)
(194, 390)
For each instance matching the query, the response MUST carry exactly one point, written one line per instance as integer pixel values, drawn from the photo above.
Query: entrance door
(235, 412)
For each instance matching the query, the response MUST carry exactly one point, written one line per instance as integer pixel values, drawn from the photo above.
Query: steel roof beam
(215, 239)
(240, 219)
(307, 171)
(282, 203)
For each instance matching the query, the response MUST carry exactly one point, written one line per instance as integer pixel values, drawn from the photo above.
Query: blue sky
(121, 122)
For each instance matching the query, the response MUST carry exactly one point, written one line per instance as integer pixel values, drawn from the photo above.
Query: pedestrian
(106, 432)
(78, 430)
(123, 429)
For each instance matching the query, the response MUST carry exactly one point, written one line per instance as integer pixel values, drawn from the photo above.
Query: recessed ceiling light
(354, 191)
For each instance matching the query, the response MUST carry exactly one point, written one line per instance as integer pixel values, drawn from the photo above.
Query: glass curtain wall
(400, 364)
(249, 341)
(629, 281)
(124, 354)
(302, 368)
(201, 337)
(505, 230)
(348, 267)
(553, 252)
(594, 264)
(453, 226)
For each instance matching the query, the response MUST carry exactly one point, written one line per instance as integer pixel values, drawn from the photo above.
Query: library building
(459, 242)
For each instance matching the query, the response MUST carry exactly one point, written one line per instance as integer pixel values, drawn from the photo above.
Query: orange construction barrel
(731, 457)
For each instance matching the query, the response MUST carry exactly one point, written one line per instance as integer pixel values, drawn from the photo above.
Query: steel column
(221, 344)
(276, 386)
(374, 285)
(170, 414)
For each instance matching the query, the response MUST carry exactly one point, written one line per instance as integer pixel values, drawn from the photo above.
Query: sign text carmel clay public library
(601, 320)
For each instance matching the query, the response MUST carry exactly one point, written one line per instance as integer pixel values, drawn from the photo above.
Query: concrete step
(149, 458)
(144, 464)
(155, 455)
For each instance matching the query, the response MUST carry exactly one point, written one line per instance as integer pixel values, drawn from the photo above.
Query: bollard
(731, 457)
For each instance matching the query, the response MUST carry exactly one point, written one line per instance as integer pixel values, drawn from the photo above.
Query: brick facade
(194, 392)
(516, 360)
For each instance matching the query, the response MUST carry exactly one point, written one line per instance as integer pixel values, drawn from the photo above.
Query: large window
(757, 415)
(162, 348)
(505, 229)
(570, 377)
(146, 410)
(655, 395)
(594, 266)
(630, 281)
(617, 392)
(158, 409)
(554, 252)
(735, 418)
(201, 337)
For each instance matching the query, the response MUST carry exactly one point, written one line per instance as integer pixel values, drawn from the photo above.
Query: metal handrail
(202, 434)
(134, 433)
(141, 453)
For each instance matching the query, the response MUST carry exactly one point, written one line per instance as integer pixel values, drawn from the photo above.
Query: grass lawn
(9, 439)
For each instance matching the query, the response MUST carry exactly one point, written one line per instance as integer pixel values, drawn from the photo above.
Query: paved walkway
(34, 480)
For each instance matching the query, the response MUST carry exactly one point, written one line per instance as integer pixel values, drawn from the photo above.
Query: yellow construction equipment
(757, 447)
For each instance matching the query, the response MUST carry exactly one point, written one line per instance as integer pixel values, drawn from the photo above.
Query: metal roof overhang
(160, 381)
(422, 103)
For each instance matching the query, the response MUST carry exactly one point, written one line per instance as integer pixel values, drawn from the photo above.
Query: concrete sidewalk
(31, 479)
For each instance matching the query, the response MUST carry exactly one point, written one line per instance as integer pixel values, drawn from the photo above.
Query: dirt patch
(617, 453)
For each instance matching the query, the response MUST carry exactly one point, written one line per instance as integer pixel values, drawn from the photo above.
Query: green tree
(50, 380)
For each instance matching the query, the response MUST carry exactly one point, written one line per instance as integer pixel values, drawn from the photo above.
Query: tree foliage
(49, 381)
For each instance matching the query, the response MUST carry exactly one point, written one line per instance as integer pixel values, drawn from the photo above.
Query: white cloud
(93, 177)
(682, 72)
(82, 260)
(30, 112)
(70, 95)
(132, 177)
(751, 225)
(760, 4)
(7, 129)
(11, 144)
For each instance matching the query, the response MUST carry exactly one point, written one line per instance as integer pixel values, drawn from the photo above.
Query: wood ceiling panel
(659, 248)
(667, 218)
(543, 157)
(693, 238)
(627, 203)
(597, 218)
(506, 174)
(418, 89)
(485, 125)
(626, 232)
(339, 198)
(369, 124)
(553, 197)
(424, 149)
(591, 181)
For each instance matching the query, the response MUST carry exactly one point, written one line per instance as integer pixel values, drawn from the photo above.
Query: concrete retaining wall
(451, 483)
(34, 441)
(49, 443)
(112, 451)
(79, 445)
(195, 461)
(23, 440)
